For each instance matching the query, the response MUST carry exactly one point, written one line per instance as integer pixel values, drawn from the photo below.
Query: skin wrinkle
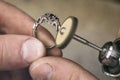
(16, 62)
(75, 77)
(4, 48)
(53, 71)
(2, 51)
(71, 76)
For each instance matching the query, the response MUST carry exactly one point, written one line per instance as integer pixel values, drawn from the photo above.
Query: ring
(48, 18)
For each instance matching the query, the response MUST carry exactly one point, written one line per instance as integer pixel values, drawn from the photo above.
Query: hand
(17, 48)
(56, 68)
(19, 51)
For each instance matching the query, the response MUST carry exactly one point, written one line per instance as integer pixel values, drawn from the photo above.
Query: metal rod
(86, 42)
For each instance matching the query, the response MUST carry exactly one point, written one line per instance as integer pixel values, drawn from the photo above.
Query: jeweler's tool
(86, 42)
(66, 33)
(109, 54)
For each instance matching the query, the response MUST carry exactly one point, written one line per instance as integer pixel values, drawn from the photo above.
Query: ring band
(35, 26)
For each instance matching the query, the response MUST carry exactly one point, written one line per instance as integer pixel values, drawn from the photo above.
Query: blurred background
(99, 22)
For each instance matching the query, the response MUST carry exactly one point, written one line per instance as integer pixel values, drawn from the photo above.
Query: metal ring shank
(48, 18)
(35, 26)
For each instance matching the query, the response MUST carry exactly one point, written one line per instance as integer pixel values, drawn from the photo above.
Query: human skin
(20, 60)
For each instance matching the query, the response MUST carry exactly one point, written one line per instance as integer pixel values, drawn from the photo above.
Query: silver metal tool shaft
(86, 42)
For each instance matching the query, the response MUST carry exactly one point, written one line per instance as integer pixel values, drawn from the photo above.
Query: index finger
(15, 21)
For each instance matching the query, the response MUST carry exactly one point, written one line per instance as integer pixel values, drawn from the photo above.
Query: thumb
(18, 51)
(55, 68)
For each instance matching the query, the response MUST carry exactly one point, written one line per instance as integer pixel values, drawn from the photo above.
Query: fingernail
(43, 72)
(32, 49)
